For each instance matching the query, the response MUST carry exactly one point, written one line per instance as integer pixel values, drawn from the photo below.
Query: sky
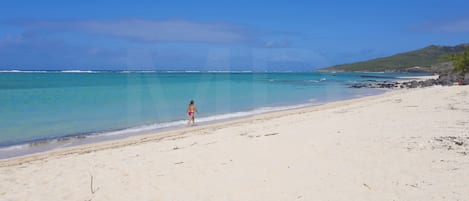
(220, 35)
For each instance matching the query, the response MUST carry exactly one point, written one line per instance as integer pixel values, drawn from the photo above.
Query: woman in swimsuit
(190, 112)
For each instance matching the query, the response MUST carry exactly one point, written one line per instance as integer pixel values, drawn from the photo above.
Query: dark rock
(456, 76)
(428, 83)
(466, 79)
(465, 82)
(445, 80)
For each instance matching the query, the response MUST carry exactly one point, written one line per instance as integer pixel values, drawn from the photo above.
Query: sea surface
(40, 110)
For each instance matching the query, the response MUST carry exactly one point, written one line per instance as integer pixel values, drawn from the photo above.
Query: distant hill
(428, 59)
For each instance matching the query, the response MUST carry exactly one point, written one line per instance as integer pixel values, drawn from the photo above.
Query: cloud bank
(448, 26)
(144, 44)
(147, 30)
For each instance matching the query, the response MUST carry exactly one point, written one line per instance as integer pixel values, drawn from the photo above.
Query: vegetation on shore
(461, 61)
(435, 59)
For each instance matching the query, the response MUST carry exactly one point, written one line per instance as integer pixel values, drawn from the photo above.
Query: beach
(409, 144)
(119, 104)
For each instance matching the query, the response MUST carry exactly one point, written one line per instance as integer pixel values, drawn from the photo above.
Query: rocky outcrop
(444, 80)
(466, 79)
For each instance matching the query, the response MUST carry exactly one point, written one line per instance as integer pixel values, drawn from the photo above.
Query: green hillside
(429, 59)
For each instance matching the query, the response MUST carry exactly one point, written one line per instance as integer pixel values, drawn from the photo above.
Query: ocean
(61, 108)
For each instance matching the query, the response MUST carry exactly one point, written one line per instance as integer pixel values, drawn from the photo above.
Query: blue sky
(220, 35)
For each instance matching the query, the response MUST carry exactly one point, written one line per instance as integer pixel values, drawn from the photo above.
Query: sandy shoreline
(395, 146)
(147, 136)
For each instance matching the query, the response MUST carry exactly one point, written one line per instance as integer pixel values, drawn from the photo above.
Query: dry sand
(410, 144)
(419, 78)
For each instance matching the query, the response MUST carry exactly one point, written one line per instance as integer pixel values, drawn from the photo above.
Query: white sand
(419, 78)
(387, 147)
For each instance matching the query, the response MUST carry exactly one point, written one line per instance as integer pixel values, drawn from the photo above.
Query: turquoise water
(49, 105)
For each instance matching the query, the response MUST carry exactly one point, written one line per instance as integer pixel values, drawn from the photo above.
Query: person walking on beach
(190, 112)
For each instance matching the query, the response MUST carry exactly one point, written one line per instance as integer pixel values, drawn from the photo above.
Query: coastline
(110, 141)
(383, 147)
(72, 140)
(50, 144)
(92, 110)
(39, 146)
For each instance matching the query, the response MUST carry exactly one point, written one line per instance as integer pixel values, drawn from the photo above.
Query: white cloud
(449, 26)
(277, 44)
(148, 30)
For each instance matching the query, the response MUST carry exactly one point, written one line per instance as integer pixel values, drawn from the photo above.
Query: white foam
(229, 71)
(22, 71)
(14, 147)
(48, 144)
(142, 128)
(315, 81)
(219, 71)
(219, 117)
(137, 71)
(78, 71)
